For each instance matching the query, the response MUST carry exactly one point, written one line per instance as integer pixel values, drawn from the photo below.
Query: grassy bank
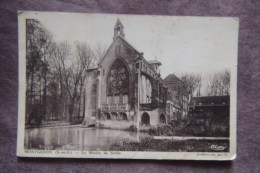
(184, 129)
(150, 144)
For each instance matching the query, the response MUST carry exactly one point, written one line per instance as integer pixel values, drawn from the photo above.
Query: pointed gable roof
(171, 78)
(125, 41)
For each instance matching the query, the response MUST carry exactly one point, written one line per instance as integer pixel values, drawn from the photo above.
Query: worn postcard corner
(127, 86)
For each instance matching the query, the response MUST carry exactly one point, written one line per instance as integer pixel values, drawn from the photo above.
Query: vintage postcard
(127, 86)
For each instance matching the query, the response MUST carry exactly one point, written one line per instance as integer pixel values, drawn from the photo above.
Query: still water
(76, 138)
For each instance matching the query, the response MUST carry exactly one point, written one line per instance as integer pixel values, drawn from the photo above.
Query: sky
(202, 45)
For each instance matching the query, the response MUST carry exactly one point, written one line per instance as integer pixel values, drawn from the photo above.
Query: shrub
(149, 144)
(162, 130)
(132, 128)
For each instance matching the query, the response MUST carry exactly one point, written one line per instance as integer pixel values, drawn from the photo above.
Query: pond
(77, 138)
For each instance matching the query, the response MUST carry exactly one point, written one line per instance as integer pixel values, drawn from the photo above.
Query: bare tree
(88, 59)
(218, 84)
(199, 88)
(87, 56)
(57, 72)
(192, 84)
(72, 73)
(59, 57)
(99, 52)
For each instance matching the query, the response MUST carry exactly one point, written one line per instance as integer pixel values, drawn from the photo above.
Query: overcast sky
(182, 44)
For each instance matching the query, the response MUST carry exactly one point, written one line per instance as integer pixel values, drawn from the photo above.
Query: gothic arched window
(118, 79)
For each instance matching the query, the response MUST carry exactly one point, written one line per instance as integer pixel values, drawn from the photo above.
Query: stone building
(210, 115)
(125, 90)
(177, 98)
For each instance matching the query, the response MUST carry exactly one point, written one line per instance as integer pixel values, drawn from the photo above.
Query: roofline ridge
(212, 96)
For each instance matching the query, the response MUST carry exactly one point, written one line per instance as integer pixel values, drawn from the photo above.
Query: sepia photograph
(127, 86)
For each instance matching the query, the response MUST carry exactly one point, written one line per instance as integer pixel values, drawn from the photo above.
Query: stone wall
(91, 93)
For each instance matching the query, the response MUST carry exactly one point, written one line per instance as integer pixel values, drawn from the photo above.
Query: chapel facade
(125, 90)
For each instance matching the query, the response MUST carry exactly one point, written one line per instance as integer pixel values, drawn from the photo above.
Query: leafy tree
(38, 40)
